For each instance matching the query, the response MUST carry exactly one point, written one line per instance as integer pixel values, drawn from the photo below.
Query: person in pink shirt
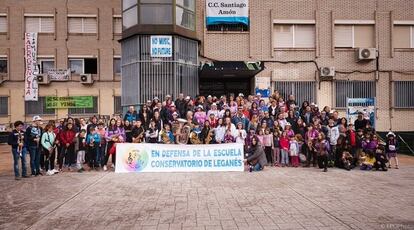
(268, 145)
(200, 115)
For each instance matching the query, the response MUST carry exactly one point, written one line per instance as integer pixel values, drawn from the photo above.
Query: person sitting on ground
(257, 157)
(369, 160)
(380, 159)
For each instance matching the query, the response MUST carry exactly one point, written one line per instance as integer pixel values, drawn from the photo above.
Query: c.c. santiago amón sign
(178, 158)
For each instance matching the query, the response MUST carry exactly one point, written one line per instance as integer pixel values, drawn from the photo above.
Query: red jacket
(67, 137)
(284, 143)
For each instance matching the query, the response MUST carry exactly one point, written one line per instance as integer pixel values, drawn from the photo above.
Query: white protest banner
(227, 12)
(161, 46)
(30, 55)
(178, 158)
(59, 74)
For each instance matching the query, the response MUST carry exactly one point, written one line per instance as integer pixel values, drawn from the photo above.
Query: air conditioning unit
(43, 79)
(86, 79)
(366, 54)
(327, 72)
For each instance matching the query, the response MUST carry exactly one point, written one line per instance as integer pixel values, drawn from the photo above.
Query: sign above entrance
(161, 46)
(227, 12)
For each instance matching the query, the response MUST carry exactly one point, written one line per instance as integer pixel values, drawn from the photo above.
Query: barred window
(4, 106)
(302, 90)
(117, 105)
(353, 89)
(93, 110)
(38, 107)
(404, 94)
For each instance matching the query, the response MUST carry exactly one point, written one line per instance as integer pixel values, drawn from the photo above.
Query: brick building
(290, 38)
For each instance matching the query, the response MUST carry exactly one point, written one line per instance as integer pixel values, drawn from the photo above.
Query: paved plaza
(277, 198)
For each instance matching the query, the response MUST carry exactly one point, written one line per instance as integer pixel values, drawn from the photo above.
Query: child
(81, 143)
(380, 159)
(276, 148)
(228, 137)
(268, 144)
(241, 133)
(284, 149)
(17, 142)
(391, 149)
(322, 148)
(347, 159)
(260, 136)
(294, 151)
(369, 161)
(93, 139)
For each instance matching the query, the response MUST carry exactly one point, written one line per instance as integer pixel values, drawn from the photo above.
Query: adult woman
(48, 144)
(205, 132)
(112, 135)
(145, 115)
(292, 119)
(157, 119)
(220, 131)
(200, 115)
(303, 108)
(257, 157)
(344, 122)
(67, 138)
(254, 122)
(128, 131)
(254, 110)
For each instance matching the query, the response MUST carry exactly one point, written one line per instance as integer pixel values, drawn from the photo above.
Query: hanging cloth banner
(78, 102)
(178, 158)
(30, 55)
(227, 12)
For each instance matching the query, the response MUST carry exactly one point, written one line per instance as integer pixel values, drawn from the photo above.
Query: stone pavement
(277, 198)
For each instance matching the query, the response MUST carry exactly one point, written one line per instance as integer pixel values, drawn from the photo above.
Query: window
(3, 65)
(228, 27)
(352, 36)
(353, 89)
(117, 65)
(403, 36)
(4, 106)
(38, 107)
(84, 65)
(130, 17)
(404, 94)
(185, 15)
(302, 90)
(294, 36)
(87, 25)
(128, 4)
(40, 24)
(3, 24)
(155, 14)
(93, 110)
(117, 105)
(45, 65)
(117, 25)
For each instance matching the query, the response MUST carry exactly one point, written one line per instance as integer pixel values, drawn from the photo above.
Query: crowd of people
(275, 132)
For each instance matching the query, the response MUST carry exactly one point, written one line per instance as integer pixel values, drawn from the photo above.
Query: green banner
(69, 102)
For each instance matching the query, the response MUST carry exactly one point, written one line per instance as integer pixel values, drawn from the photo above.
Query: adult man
(360, 122)
(17, 141)
(240, 118)
(131, 115)
(33, 134)
(180, 104)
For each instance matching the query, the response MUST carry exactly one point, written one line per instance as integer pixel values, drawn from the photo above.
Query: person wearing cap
(17, 142)
(33, 134)
(391, 148)
(200, 115)
(213, 110)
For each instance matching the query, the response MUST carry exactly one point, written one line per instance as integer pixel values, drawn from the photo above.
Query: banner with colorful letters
(147, 157)
(30, 55)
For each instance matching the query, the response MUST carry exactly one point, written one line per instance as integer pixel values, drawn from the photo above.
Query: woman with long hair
(257, 157)
(112, 135)
(68, 140)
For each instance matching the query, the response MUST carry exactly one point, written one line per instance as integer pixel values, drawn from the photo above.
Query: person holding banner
(257, 157)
